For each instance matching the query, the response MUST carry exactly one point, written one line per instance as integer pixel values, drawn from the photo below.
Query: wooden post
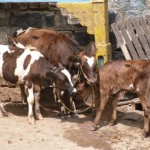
(101, 32)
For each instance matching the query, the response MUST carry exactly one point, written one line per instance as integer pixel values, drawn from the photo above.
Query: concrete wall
(22, 15)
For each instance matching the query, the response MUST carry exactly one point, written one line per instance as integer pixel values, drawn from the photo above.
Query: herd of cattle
(42, 58)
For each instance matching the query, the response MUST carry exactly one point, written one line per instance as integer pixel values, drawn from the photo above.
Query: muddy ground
(71, 134)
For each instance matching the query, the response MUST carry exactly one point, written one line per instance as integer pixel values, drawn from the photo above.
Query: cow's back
(122, 74)
(15, 63)
(55, 46)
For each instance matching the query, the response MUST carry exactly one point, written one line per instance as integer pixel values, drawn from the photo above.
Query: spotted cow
(60, 50)
(29, 68)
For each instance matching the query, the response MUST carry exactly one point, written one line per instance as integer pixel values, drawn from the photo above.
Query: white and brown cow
(59, 49)
(121, 76)
(29, 68)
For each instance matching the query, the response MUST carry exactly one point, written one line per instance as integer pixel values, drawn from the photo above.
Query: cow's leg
(73, 108)
(142, 89)
(104, 98)
(61, 104)
(37, 104)
(146, 108)
(62, 108)
(146, 115)
(23, 94)
(115, 99)
(30, 99)
(114, 113)
(146, 124)
(68, 106)
(2, 110)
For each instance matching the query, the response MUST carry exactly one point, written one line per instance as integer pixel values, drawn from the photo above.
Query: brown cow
(119, 76)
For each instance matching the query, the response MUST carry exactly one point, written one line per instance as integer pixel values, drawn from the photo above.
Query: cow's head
(62, 80)
(88, 65)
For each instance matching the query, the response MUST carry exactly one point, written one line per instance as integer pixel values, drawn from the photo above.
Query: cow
(123, 76)
(29, 68)
(60, 50)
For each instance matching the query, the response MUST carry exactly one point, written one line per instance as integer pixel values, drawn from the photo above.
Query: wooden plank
(148, 18)
(145, 29)
(141, 36)
(135, 40)
(121, 41)
(128, 40)
(147, 21)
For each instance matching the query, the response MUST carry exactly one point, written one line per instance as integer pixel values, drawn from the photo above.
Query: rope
(84, 73)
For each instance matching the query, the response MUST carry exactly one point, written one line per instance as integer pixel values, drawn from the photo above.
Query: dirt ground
(71, 134)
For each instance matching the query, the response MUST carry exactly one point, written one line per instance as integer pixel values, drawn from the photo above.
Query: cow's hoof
(6, 114)
(39, 117)
(31, 121)
(74, 115)
(112, 123)
(93, 128)
(63, 117)
(1, 115)
(145, 134)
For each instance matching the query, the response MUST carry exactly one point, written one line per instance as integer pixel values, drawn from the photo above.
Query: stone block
(3, 18)
(52, 7)
(7, 6)
(44, 6)
(137, 5)
(3, 35)
(117, 4)
(49, 19)
(20, 6)
(26, 19)
(132, 13)
(34, 5)
(82, 38)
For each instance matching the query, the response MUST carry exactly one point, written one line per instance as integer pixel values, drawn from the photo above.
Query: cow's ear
(60, 66)
(93, 48)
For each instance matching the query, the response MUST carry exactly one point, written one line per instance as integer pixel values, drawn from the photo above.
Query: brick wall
(22, 15)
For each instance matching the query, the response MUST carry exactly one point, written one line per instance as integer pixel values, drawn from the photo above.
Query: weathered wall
(22, 15)
(15, 15)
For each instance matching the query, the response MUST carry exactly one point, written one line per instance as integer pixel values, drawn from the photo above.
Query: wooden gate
(133, 36)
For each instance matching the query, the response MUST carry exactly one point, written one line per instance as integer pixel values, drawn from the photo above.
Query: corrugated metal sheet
(57, 1)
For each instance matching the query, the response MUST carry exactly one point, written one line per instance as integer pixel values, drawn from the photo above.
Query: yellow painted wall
(94, 15)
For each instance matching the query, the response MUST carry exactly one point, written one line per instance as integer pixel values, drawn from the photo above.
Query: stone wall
(22, 15)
